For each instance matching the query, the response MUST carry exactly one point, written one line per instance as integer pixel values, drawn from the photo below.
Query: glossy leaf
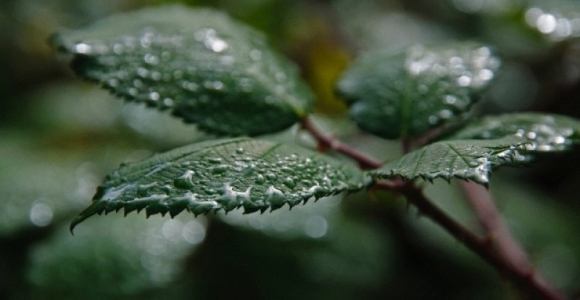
(544, 132)
(205, 67)
(465, 159)
(406, 94)
(223, 175)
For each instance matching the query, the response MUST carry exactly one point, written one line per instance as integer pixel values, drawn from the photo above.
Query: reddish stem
(525, 278)
(509, 265)
(365, 161)
(492, 223)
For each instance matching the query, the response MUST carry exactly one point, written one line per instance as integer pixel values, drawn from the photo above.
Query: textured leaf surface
(544, 132)
(464, 159)
(405, 94)
(205, 67)
(223, 175)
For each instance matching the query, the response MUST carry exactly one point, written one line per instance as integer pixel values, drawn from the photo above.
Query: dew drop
(185, 181)
(193, 232)
(445, 114)
(154, 96)
(546, 23)
(155, 75)
(274, 197)
(464, 80)
(83, 48)
(316, 227)
(260, 179)
(214, 160)
(151, 59)
(41, 214)
(118, 48)
(255, 54)
(433, 120)
(289, 182)
(219, 169)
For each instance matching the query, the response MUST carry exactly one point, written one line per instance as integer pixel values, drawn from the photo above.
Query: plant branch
(510, 261)
(365, 161)
(493, 225)
(527, 279)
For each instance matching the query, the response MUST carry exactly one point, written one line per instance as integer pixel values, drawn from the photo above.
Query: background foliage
(60, 137)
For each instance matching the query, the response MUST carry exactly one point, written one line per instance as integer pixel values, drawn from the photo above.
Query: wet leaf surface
(544, 132)
(406, 94)
(464, 159)
(223, 175)
(200, 64)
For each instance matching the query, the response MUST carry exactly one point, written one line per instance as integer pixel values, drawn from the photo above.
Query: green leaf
(405, 94)
(223, 175)
(464, 159)
(205, 67)
(544, 132)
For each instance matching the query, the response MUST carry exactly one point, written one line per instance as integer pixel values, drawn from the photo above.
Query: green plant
(220, 75)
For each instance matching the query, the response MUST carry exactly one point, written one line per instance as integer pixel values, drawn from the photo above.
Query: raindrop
(185, 181)
(172, 230)
(260, 179)
(316, 227)
(165, 55)
(154, 96)
(464, 80)
(274, 197)
(113, 82)
(41, 214)
(155, 75)
(217, 45)
(445, 114)
(83, 48)
(255, 54)
(532, 15)
(559, 140)
(485, 74)
(546, 23)
(433, 120)
(289, 182)
(450, 99)
(168, 102)
(118, 48)
(214, 160)
(142, 72)
(219, 169)
(193, 232)
(151, 59)
(192, 86)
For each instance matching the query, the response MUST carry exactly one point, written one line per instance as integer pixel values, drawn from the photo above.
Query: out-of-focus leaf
(544, 132)
(406, 94)
(205, 67)
(113, 258)
(464, 159)
(223, 174)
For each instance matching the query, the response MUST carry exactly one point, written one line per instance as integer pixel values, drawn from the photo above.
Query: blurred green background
(60, 136)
